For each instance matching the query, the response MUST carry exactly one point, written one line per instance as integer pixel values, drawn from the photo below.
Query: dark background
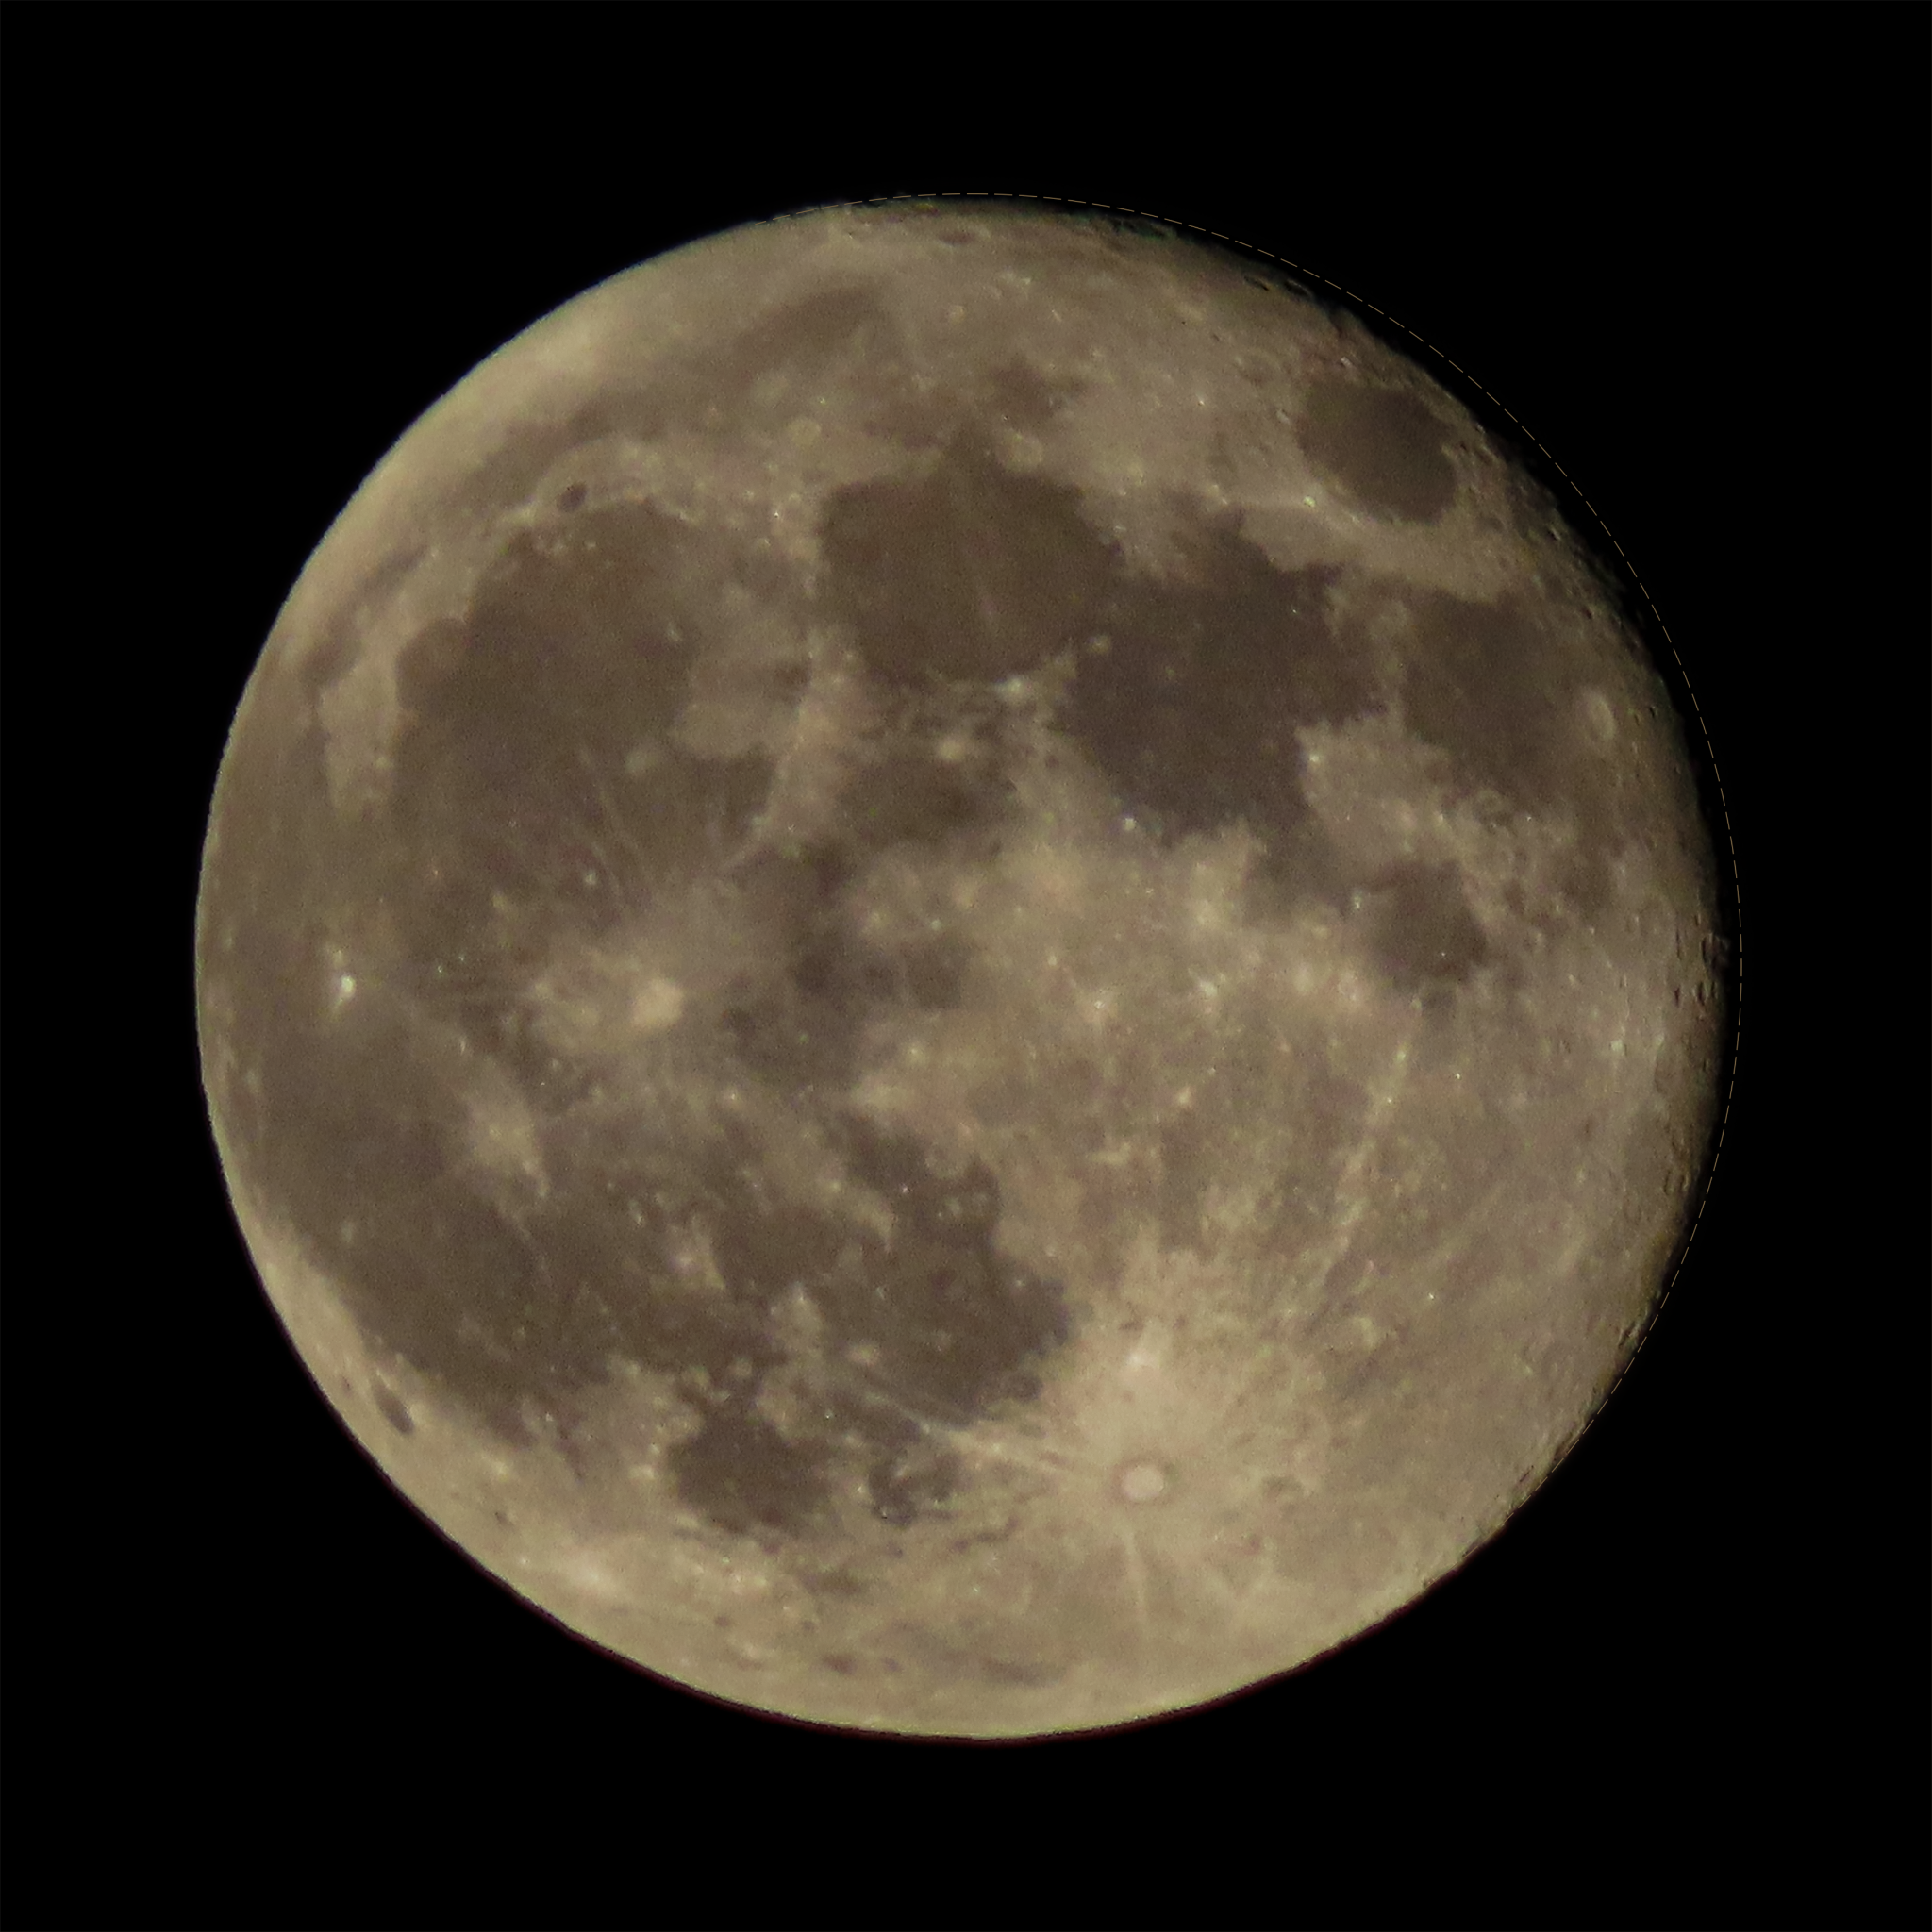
(1631, 1614)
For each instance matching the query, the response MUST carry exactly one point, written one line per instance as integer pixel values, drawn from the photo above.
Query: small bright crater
(658, 1005)
(1141, 1482)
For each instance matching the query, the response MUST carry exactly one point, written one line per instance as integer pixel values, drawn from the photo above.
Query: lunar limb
(955, 975)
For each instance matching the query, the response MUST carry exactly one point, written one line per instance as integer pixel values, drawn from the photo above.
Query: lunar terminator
(954, 973)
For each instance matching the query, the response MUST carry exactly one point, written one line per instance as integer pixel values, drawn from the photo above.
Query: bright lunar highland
(956, 974)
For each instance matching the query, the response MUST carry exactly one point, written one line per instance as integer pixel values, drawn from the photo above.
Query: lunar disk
(955, 975)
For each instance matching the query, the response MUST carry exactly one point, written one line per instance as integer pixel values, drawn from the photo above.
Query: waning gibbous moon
(957, 974)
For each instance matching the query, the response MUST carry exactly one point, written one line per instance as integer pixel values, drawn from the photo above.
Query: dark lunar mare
(511, 785)
(1382, 445)
(521, 813)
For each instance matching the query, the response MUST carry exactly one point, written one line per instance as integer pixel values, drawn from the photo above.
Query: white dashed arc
(956, 976)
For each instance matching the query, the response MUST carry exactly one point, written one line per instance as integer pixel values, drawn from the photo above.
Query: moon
(957, 974)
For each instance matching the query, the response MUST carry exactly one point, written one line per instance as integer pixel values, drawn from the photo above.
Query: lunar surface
(957, 974)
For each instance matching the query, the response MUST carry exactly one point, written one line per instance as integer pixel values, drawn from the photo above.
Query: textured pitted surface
(951, 977)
